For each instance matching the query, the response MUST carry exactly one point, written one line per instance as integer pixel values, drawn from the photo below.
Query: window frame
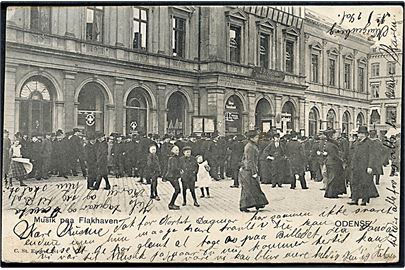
(377, 86)
(239, 28)
(395, 109)
(375, 69)
(389, 66)
(347, 83)
(95, 11)
(361, 81)
(140, 21)
(266, 27)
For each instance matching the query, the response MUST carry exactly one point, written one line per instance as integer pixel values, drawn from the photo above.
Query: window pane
(289, 56)
(143, 15)
(136, 40)
(315, 68)
(136, 13)
(143, 35)
(264, 50)
(234, 44)
(90, 16)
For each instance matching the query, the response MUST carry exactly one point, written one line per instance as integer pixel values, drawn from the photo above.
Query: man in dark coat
(102, 162)
(61, 146)
(76, 146)
(46, 156)
(118, 153)
(362, 181)
(91, 153)
(213, 158)
(236, 147)
(295, 155)
(379, 152)
(264, 163)
(275, 154)
(188, 171)
(36, 157)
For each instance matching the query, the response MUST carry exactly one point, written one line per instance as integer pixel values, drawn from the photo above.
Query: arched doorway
(263, 115)
(137, 112)
(233, 115)
(360, 120)
(91, 108)
(313, 121)
(330, 119)
(346, 122)
(176, 113)
(288, 117)
(36, 106)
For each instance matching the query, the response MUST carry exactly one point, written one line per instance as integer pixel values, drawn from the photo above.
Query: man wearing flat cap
(362, 184)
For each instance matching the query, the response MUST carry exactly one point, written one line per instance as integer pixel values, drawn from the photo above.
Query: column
(110, 120)
(59, 113)
(324, 114)
(302, 114)
(69, 97)
(251, 119)
(355, 112)
(324, 64)
(161, 108)
(196, 97)
(339, 117)
(278, 110)
(10, 117)
(154, 121)
(340, 68)
(119, 105)
(355, 75)
(216, 107)
(306, 119)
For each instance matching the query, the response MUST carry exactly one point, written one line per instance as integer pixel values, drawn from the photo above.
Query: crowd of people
(251, 159)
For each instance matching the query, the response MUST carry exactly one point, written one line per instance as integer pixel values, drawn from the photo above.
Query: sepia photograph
(216, 133)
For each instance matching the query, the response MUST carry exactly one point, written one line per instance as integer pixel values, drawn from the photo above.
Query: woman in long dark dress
(335, 184)
(251, 193)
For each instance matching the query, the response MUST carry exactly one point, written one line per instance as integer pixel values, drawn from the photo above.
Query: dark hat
(76, 130)
(373, 132)
(251, 133)
(59, 132)
(186, 148)
(166, 136)
(362, 129)
(276, 134)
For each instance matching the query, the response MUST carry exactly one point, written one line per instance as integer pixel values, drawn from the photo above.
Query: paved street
(223, 198)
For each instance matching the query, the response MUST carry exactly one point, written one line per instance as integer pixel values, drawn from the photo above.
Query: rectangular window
(289, 56)
(315, 68)
(348, 76)
(234, 44)
(179, 37)
(361, 80)
(264, 50)
(94, 23)
(392, 114)
(332, 72)
(375, 89)
(40, 19)
(391, 68)
(375, 70)
(140, 24)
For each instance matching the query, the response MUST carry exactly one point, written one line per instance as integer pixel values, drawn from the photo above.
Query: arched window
(36, 106)
(346, 123)
(91, 108)
(331, 118)
(263, 115)
(176, 113)
(313, 121)
(233, 115)
(360, 120)
(288, 117)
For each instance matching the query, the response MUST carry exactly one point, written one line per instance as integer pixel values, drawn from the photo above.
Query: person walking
(251, 193)
(295, 154)
(173, 175)
(362, 183)
(188, 171)
(153, 171)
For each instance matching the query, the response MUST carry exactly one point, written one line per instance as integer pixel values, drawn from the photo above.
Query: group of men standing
(282, 159)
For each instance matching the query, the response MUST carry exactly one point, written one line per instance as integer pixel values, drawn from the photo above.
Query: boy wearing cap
(188, 171)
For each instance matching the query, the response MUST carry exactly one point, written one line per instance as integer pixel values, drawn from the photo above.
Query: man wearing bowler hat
(363, 158)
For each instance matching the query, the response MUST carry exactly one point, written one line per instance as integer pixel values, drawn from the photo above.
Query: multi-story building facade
(336, 69)
(385, 84)
(180, 69)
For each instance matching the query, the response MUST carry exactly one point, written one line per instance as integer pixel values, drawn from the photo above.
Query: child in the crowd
(153, 171)
(203, 176)
(188, 171)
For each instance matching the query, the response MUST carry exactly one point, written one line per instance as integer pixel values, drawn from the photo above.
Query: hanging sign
(90, 119)
(133, 125)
